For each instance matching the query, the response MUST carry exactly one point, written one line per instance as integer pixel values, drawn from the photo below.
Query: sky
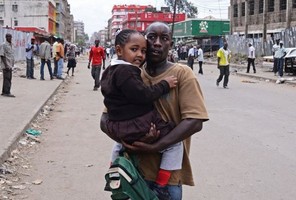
(95, 13)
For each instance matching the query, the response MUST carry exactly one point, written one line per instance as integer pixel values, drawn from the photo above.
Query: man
(251, 58)
(55, 62)
(44, 52)
(96, 58)
(60, 58)
(30, 50)
(191, 57)
(7, 58)
(275, 48)
(223, 56)
(280, 55)
(200, 59)
(177, 106)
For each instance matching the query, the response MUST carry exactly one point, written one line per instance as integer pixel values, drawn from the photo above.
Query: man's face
(158, 42)
(97, 42)
(8, 38)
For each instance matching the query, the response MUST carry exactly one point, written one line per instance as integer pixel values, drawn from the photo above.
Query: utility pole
(174, 15)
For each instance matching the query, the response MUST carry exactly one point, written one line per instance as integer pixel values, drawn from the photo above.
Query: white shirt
(191, 52)
(251, 52)
(200, 55)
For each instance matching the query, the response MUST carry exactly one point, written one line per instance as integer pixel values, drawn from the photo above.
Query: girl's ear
(118, 50)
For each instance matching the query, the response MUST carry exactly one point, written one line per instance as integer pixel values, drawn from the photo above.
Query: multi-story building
(79, 28)
(257, 18)
(140, 21)
(118, 14)
(44, 17)
(103, 37)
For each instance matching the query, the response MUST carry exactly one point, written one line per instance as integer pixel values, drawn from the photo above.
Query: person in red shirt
(96, 58)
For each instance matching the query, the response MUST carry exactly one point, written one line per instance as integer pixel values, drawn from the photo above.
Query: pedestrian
(130, 102)
(251, 58)
(71, 59)
(96, 58)
(30, 51)
(60, 58)
(200, 58)
(108, 52)
(223, 56)
(54, 54)
(191, 57)
(280, 56)
(112, 52)
(45, 56)
(7, 58)
(177, 106)
(275, 48)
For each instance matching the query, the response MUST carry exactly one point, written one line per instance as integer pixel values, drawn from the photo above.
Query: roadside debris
(34, 132)
(248, 81)
(283, 80)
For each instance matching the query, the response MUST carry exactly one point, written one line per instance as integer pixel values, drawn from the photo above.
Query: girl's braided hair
(123, 36)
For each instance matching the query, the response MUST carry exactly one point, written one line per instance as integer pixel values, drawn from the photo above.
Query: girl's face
(134, 51)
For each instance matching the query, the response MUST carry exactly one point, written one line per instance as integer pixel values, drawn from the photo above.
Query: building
(140, 21)
(79, 28)
(119, 12)
(45, 17)
(258, 18)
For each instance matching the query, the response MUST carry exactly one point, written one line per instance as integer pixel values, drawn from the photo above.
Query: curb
(12, 144)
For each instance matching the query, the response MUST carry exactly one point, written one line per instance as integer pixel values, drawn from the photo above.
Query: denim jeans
(95, 72)
(30, 68)
(174, 190)
(48, 62)
(60, 67)
(280, 65)
(224, 71)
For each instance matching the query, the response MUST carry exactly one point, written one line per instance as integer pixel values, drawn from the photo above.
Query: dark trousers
(55, 69)
(280, 66)
(190, 62)
(48, 62)
(200, 67)
(30, 68)
(275, 65)
(251, 61)
(224, 72)
(95, 72)
(7, 76)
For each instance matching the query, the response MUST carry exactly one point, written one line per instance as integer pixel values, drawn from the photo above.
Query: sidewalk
(17, 113)
(31, 95)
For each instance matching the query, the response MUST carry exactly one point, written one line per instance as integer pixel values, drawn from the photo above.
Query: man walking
(200, 59)
(54, 54)
(279, 55)
(191, 56)
(60, 58)
(223, 55)
(96, 58)
(30, 50)
(251, 58)
(7, 58)
(44, 52)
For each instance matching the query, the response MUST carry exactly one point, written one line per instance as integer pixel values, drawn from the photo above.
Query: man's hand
(140, 147)
(88, 66)
(151, 136)
(104, 67)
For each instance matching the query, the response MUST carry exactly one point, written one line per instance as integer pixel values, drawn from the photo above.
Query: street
(244, 152)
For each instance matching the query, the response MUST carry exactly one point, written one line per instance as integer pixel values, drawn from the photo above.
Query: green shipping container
(199, 28)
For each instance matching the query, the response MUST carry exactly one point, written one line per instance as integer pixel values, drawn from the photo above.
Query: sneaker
(7, 95)
(217, 83)
(61, 78)
(226, 87)
(95, 88)
(42, 79)
(161, 192)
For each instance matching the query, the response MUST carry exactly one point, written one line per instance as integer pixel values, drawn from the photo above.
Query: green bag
(125, 182)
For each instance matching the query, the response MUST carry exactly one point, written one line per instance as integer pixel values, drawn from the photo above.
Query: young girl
(71, 59)
(130, 102)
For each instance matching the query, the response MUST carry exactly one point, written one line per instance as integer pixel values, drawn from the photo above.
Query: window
(235, 10)
(294, 3)
(283, 4)
(270, 5)
(1, 22)
(14, 8)
(15, 23)
(261, 6)
(251, 7)
(1, 8)
(243, 9)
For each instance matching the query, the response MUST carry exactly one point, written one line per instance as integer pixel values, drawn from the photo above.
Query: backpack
(126, 183)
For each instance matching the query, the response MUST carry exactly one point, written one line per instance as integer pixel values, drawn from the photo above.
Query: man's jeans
(95, 72)
(30, 68)
(60, 67)
(174, 190)
(280, 65)
(48, 62)
(224, 71)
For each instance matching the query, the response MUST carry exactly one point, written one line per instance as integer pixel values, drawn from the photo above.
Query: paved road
(244, 152)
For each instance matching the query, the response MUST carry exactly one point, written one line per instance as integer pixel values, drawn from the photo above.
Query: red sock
(163, 177)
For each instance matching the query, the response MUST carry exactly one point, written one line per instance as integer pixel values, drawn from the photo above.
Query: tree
(183, 6)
